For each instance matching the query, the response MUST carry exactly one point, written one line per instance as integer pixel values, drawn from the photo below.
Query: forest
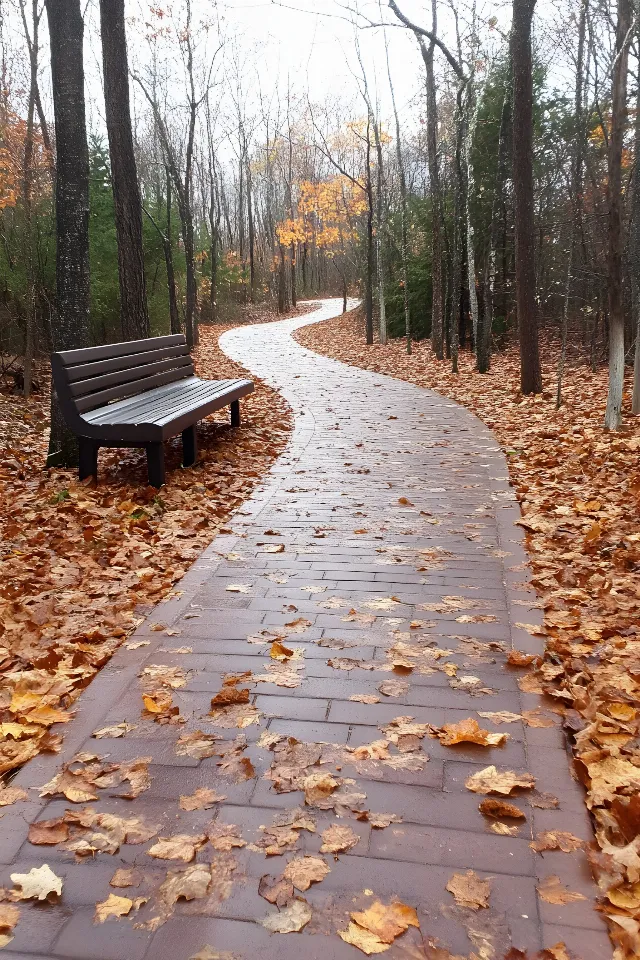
(501, 204)
(416, 227)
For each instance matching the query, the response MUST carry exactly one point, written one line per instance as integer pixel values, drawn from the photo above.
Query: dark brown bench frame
(138, 394)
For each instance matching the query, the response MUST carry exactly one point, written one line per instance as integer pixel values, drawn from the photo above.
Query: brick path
(414, 472)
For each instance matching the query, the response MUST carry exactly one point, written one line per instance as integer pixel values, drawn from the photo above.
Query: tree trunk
(382, 308)
(252, 235)
(27, 190)
(368, 298)
(483, 347)
(521, 59)
(70, 329)
(613, 413)
(124, 177)
(283, 300)
(459, 234)
(168, 259)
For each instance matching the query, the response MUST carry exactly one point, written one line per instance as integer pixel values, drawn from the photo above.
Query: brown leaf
(364, 698)
(10, 795)
(202, 799)
(386, 921)
(229, 696)
(197, 745)
(179, 847)
(318, 787)
(338, 839)
(126, 877)
(490, 780)
(48, 831)
(556, 840)
(279, 651)
(517, 658)
(393, 688)
(225, 836)
(276, 890)
(469, 890)
(113, 906)
(303, 871)
(500, 808)
(551, 890)
(469, 731)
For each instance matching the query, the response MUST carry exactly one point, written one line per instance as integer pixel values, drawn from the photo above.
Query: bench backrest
(94, 376)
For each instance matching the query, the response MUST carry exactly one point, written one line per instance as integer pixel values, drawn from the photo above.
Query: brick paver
(410, 471)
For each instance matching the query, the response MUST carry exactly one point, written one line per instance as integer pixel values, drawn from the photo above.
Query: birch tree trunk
(613, 414)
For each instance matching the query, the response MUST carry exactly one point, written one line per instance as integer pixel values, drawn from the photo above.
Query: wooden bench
(138, 394)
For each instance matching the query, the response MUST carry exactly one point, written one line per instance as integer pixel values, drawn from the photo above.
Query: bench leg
(235, 413)
(88, 462)
(155, 464)
(189, 446)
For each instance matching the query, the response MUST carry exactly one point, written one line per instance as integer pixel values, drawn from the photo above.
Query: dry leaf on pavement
(202, 799)
(556, 840)
(126, 877)
(393, 688)
(364, 698)
(48, 831)
(469, 731)
(225, 836)
(303, 871)
(490, 780)
(179, 847)
(469, 890)
(276, 890)
(113, 906)
(197, 745)
(551, 890)
(38, 884)
(289, 920)
(338, 839)
(373, 930)
(500, 808)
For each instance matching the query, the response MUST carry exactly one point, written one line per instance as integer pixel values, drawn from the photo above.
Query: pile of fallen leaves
(579, 489)
(80, 562)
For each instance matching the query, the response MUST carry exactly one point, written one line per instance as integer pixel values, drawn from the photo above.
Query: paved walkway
(397, 563)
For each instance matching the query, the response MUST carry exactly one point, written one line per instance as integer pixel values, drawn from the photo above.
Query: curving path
(401, 565)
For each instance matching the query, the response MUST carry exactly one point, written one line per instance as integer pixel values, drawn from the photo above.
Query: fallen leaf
(279, 651)
(113, 906)
(469, 890)
(126, 877)
(225, 836)
(556, 840)
(490, 780)
(500, 808)
(179, 847)
(197, 745)
(551, 890)
(202, 799)
(364, 698)
(291, 919)
(10, 795)
(469, 731)
(385, 921)
(48, 831)
(303, 871)
(338, 839)
(118, 730)
(38, 884)
(393, 688)
(276, 890)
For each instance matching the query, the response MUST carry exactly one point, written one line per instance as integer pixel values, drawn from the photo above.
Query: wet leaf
(48, 831)
(203, 799)
(126, 877)
(197, 745)
(113, 906)
(469, 890)
(276, 890)
(291, 919)
(556, 840)
(551, 890)
(338, 839)
(303, 871)
(393, 688)
(490, 780)
(469, 731)
(39, 884)
(179, 847)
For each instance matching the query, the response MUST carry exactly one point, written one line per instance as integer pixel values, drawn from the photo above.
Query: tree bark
(613, 413)
(521, 59)
(134, 317)
(70, 328)
(368, 298)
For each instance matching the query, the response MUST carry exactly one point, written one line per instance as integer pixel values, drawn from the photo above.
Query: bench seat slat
(132, 379)
(147, 406)
(83, 371)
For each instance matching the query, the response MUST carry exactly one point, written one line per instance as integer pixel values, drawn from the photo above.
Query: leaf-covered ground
(579, 488)
(80, 563)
